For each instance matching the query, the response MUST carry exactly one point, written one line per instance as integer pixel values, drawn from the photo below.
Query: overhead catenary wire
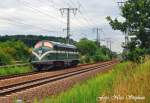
(81, 21)
(77, 23)
(19, 21)
(85, 18)
(82, 8)
(27, 4)
(11, 21)
(78, 20)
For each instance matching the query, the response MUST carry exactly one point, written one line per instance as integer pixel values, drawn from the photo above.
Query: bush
(90, 52)
(5, 58)
(86, 47)
(16, 49)
(137, 55)
(148, 51)
(85, 59)
(100, 55)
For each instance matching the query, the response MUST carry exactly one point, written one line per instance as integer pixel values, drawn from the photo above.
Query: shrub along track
(8, 90)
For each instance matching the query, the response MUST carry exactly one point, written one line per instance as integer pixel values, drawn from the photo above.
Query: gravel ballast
(52, 88)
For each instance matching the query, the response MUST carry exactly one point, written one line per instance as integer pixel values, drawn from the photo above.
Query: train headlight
(40, 52)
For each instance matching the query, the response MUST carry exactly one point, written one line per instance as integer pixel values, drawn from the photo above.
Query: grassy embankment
(14, 70)
(125, 79)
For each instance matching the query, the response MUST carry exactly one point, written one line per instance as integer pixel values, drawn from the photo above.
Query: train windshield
(43, 44)
(38, 45)
(47, 44)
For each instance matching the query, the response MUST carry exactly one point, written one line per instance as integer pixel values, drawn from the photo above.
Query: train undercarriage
(49, 65)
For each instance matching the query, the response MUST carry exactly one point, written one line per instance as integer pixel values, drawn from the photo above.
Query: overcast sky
(43, 17)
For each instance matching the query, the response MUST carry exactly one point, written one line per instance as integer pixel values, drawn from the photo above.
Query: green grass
(89, 91)
(14, 70)
(134, 80)
(125, 79)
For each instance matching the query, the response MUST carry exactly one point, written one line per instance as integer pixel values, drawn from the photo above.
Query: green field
(15, 70)
(125, 79)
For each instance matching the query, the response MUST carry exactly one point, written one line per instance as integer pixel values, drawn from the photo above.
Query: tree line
(90, 52)
(31, 40)
(19, 48)
(12, 51)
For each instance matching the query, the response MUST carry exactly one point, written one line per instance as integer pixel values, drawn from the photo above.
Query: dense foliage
(11, 51)
(5, 58)
(137, 22)
(90, 52)
(31, 40)
(17, 47)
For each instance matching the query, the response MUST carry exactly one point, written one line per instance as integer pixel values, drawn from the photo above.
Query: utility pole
(120, 4)
(98, 30)
(62, 10)
(109, 43)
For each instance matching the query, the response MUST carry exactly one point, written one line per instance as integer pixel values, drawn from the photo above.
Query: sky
(43, 17)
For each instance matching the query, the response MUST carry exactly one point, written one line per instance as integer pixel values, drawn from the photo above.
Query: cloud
(42, 16)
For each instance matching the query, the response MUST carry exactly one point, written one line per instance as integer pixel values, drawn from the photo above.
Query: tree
(5, 58)
(90, 52)
(137, 20)
(86, 47)
(31, 40)
(16, 49)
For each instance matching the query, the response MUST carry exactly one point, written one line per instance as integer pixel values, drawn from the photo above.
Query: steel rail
(84, 66)
(33, 83)
(32, 73)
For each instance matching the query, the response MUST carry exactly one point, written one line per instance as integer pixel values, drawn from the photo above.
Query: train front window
(47, 44)
(38, 45)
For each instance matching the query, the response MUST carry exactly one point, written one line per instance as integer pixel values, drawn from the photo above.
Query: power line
(85, 17)
(98, 30)
(21, 23)
(81, 13)
(72, 4)
(89, 20)
(121, 4)
(81, 20)
(109, 43)
(74, 10)
(27, 4)
(46, 14)
(53, 4)
(69, 5)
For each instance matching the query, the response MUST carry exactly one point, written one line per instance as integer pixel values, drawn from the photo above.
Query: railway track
(32, 73)
(7, 90)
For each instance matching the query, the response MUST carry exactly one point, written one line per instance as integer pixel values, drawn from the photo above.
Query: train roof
(59, 45)
(63, 45)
